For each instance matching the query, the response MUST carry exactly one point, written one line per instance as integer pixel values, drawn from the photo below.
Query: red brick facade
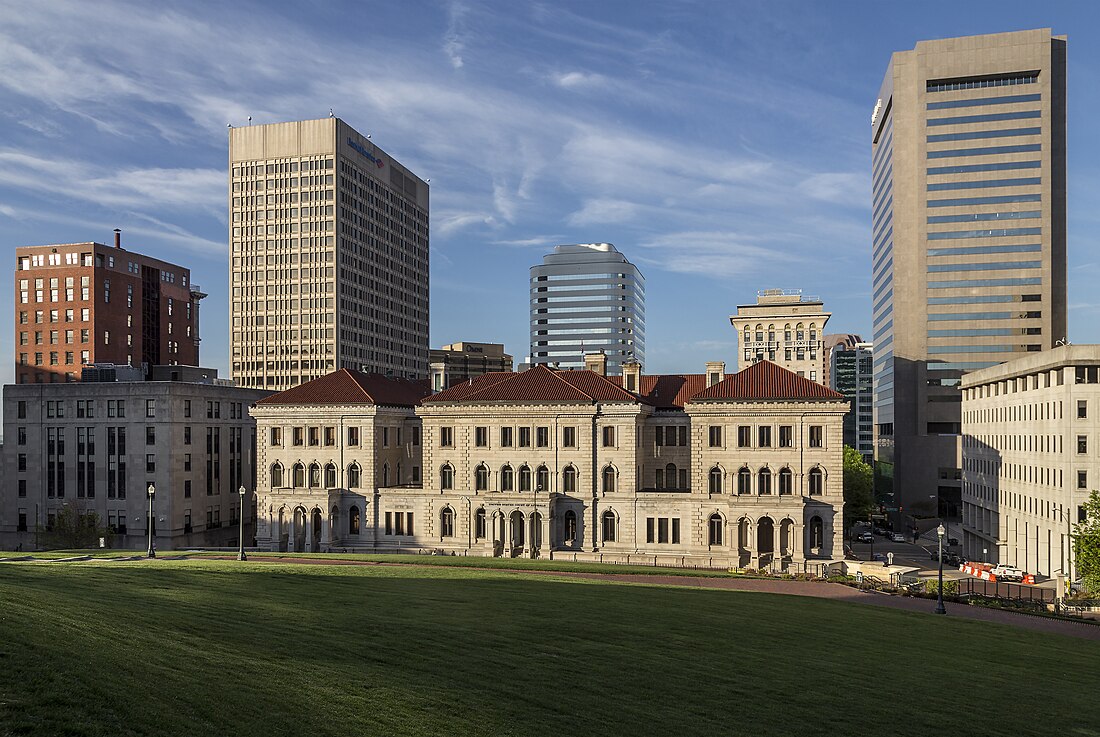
(83, 303)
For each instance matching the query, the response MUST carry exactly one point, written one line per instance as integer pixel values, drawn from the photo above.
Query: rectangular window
(675, 530)
(744, 436)
(389, 523)
(1082, 479)
(353, 436)
(786, 436)
(569, 437)
(150, 463)
(764, 435)
(542, 437)
(662, 530)
(314, 435)
(276, 437)
(446, 437)
(817, 436)
(150, 408)
(506, 437)
(296, 435)
(330, 436)
(1082, 444)
(715, 436)
(150, 435)
(649, 528)
(385, 437)
(609, 437)
(1082, 409)
(481, 437)
(416, 435)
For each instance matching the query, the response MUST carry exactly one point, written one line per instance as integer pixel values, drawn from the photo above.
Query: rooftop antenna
(331, 114)
(250, 120)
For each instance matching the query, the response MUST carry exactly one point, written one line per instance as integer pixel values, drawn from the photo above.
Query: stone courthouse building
(703, 469)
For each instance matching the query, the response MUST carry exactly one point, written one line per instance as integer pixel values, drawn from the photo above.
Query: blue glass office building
(587, 298)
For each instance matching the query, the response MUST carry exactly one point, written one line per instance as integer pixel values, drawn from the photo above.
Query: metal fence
(1014, 592)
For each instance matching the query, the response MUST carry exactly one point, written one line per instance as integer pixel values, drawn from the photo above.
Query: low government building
(97, 446)
(706, 469)
(1031, 428)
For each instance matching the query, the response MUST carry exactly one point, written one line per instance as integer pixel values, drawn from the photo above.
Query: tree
(858, 485)
(1086, 544)
(73, 530)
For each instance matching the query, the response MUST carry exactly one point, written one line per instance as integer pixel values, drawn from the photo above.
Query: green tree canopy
(73, 529)
(858, 485)
(1086, 543)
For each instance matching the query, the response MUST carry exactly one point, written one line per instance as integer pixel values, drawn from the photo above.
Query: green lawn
(212, 648)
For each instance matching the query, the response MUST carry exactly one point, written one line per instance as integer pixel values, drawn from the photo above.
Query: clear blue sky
(722, 146)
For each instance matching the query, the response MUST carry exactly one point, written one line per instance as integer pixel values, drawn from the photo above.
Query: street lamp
(940, 609)
(240, 550)
(535, 521)
(151, 491)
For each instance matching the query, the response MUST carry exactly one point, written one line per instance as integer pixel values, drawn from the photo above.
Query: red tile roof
(668, 391)
(536, 384)
(353, 387)
(765, 380)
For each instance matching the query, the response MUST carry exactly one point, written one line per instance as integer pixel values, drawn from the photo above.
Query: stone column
(750, 540)
(777, 542)
(290, 536)
(308, 522)
(326, 542)
(798, 542)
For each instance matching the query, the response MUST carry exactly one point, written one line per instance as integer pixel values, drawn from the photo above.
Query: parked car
(1008, 573)
(897, 537)
(866, 538)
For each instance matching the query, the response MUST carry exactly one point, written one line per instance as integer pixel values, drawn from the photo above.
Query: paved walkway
(815, 589)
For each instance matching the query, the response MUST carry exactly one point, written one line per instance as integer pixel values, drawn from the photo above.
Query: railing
(1009, 592)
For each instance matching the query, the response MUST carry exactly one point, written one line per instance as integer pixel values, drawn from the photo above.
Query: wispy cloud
(453, 45)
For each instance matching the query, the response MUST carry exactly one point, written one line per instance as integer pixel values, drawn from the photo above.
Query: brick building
(83, 303)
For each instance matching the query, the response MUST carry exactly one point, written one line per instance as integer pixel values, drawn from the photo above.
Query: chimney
(118, 238)
(716, 372)
(632, 375)
(596, 362)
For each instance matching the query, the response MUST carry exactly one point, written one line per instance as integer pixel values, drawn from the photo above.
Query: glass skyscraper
(584, 299)
(968, 155)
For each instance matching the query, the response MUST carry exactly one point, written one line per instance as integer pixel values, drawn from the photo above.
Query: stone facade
(97, 446)
(558, 464)
(1030, 430)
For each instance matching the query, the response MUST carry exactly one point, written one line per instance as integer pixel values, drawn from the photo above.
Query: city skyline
(520, 160)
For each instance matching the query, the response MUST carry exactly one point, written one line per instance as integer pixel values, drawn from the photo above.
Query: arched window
(569, 480)
(299, 479)
(385, 474)
(277, 476)
(817, 532)
(817, 482)
(744, 481)
(447, 477)
(524, 478)
(714, 529)
(608, 525)
(786, 482)
(481, 478)
(764, 481)
(570, 531)
(507, 479)
(353, 476)
(314, 475)
(542, 478)
(716, 480)
(479, 523)
(670, 476)
(447, 522)
(353, 521)
(330, 475)
(609, 480)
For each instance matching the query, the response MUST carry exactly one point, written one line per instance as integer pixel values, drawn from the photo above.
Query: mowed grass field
(229, 648)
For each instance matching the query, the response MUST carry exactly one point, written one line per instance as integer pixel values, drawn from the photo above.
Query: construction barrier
(984, 571)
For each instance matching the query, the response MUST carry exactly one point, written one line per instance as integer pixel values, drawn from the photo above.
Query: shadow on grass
(201, 648)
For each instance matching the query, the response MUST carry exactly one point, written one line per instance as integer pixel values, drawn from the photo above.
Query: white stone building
(1030, 431)
(697, 469)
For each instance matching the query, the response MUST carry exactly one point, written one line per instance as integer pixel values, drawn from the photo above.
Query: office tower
(584, 299)
(785, 328)
(83, 303)
(969, 240)
(464, 360)
(850, 373)
(329, 241)
(833, 341)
